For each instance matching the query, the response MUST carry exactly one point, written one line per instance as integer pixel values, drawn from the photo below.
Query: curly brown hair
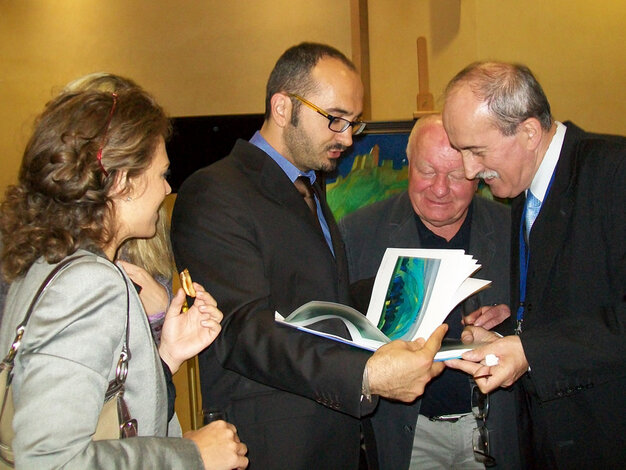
(62, 199)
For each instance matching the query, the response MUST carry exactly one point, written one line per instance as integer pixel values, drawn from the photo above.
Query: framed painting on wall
(373, 169)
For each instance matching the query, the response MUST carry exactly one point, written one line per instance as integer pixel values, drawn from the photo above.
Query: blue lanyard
(524, 257)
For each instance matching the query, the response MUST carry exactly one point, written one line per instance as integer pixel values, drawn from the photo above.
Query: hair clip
(106, 131)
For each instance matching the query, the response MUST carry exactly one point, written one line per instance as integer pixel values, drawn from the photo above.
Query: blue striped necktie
(533, 206)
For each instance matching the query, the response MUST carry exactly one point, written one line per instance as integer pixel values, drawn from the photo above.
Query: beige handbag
(114, 422)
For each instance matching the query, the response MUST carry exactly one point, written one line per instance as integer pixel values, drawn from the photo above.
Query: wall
(575, 47)
(208, 57)
(213, 57)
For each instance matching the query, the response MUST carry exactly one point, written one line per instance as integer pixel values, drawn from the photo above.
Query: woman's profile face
(139, 215)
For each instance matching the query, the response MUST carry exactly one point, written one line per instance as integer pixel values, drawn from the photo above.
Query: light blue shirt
(293, 173)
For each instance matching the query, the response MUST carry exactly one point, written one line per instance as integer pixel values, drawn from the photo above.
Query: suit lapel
(517, 207)
(338, 247)
(270, 179)
(482, 245)
(402, 229)
(551, 225)
(274, 184)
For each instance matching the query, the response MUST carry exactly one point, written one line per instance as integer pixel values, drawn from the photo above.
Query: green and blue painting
(408, 293)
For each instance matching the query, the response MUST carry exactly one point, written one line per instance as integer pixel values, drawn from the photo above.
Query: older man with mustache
(568, 264)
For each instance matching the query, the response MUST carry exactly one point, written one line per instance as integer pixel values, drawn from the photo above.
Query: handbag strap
(121, 370)
(19, 332)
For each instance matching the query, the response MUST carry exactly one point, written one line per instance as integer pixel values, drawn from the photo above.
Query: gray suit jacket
(68, 356)
(367, 233)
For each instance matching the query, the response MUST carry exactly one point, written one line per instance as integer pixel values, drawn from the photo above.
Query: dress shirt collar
(541, 181)
(289, 168)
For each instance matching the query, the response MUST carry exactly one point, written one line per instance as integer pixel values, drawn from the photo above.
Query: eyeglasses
(335, 124)
(480, 438)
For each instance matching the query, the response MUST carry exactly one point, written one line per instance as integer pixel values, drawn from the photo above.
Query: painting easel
(425, 101)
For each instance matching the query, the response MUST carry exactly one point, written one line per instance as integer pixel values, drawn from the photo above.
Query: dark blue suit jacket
(574, 330)
(246, 234)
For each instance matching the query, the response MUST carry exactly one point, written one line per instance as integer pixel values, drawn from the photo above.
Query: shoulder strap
(19, 332)
(122, 365)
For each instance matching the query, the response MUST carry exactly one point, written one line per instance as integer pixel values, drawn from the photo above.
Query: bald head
(433, 126)
(439, 192)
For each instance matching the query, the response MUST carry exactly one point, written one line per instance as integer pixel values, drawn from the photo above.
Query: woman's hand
(186, 334)
(153, 295)
(219, 446)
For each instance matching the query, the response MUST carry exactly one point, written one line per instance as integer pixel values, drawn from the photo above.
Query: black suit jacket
(246, 234)
(574, 329)
(391, 223)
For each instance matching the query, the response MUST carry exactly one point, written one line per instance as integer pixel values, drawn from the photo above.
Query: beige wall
(196, 57)
(213, 56)
(575, 47)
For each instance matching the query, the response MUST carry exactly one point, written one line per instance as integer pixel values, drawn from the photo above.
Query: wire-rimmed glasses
(335, 124)
(480, 437)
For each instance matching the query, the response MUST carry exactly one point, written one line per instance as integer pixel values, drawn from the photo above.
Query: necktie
(303, 185)
(308, 192)
(533, 206)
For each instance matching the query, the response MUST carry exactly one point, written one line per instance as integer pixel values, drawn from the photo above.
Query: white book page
(360, 329)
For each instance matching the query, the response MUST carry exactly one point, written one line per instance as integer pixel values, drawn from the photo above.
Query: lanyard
(524, 255)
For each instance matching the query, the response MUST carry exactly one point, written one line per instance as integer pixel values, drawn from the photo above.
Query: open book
(414, 291)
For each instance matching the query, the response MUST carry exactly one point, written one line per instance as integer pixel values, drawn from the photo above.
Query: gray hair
(511, 92)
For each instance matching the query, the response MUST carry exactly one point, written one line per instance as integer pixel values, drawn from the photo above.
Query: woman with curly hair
(93, 175)
(149, 262)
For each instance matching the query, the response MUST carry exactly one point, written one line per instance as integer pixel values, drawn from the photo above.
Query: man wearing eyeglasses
(568, 264)
(255, 229)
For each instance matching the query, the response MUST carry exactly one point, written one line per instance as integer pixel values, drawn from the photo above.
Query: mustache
(339, 147)
(487, 174)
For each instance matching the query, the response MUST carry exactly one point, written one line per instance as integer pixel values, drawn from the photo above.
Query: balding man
(439, 210)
